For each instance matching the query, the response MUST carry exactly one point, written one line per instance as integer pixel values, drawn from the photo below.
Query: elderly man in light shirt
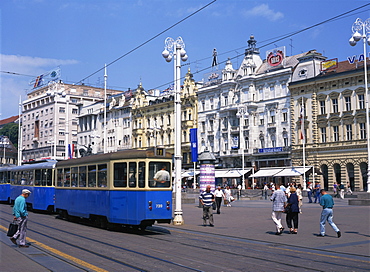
(279, 201)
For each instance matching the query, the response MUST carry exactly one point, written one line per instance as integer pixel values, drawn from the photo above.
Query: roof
(9, 120)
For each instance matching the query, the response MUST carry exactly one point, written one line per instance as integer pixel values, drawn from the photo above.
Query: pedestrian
(309, 192)
(219, 194)
(228, 197)
(349, 191)
(341, 188)
(317, 194)
(239, 191)
(279, 201)
(207, 199)
(327, 204)
(335, 189)
(21, 216)
(265, 190)
(300, 197)
(293, 211)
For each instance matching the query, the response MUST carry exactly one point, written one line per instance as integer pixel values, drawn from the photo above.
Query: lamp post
(242, 112)
(176, 49)
(359, 27)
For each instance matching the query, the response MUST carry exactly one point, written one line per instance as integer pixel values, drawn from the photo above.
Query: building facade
(334, 123)
(245, 112)
(49, 119)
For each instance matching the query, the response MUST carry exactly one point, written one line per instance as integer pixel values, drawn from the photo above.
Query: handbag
(287, 209)
(13, 227)
(214, 205)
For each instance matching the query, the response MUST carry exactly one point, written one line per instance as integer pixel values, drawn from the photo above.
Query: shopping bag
(13, 227)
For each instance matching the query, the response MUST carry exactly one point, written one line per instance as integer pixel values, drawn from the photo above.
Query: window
(74, 111)
(285, 117)
(323, 134)
(273, 140)
(120, 175)
(82, 176)
(61, 142)
(362, 131)
(211, 103)
(203, 105)
(272, 116)
(335, 104)
(132, 174)
(361, 101)
(348, 103)
(91, 175)
(225, 99)
(336, 133)
(62, 109)
(322, 107)
(349, 132)
(102, 175)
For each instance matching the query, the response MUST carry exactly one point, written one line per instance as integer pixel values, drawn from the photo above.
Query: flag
(194, 144)
(301, 136)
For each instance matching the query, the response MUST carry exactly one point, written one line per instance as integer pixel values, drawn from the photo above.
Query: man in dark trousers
(21, 216)
(327, 204)
(207, 199)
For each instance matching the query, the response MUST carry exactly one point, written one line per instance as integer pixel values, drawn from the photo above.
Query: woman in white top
(228, 196)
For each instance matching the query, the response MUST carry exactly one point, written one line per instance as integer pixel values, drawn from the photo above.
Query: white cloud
(30, 65)
(14, 85)
(264, 11)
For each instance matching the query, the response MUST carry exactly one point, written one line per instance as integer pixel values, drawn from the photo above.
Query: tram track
(200, 241)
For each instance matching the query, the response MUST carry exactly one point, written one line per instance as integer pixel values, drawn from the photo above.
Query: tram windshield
(159, 175)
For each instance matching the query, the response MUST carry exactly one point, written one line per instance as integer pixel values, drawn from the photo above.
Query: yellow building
(153, 118)
(334, 124)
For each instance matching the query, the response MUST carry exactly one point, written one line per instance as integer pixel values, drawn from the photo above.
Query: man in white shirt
(219, 194)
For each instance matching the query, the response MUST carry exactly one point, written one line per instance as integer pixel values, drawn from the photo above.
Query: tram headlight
(168, 205)
(150, 205)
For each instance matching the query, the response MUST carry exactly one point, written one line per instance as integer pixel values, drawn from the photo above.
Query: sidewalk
(251, 219)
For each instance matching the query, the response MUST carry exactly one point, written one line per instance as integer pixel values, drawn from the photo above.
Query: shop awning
(189, 174)
(269, 172)
(220, 173)
(292, 172)
(236, 173)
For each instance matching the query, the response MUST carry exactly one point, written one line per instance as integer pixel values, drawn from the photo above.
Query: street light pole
(357, 26)
(176, 49)
(240, 114)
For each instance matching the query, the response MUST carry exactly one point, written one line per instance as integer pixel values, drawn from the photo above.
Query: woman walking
(293, 211)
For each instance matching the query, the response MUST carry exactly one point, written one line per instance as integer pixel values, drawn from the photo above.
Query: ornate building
(153, 118)
(334, 122)
(245, 112)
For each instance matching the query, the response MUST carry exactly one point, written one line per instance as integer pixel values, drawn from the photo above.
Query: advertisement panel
(207, 177)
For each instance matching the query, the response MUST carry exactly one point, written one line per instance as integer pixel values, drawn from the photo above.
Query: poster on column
(207, 177)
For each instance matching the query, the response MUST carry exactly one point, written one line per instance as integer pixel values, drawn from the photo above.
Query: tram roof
(42, 165)
(123, 154)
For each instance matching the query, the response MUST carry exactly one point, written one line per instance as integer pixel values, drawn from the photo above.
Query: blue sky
(81, 36)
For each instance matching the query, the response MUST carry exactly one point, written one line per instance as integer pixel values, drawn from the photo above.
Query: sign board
(275, 56)
(329, 64)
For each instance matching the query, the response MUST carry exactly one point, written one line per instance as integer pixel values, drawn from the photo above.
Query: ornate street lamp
(176, 49)
(359, 27)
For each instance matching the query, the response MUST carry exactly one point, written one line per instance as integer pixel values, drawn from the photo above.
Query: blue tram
(115, 188)
(38, 178)
(5, 177)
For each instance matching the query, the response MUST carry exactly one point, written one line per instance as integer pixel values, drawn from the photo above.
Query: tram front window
(159, 175)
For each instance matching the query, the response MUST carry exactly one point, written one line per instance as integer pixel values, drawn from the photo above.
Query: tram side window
(67, 177)
(120, 174)
(60, 177)
(91, 176)
(74, 176)
(102, 175)
(132, 174)
(159, 174)
(82, 176)
(38, 177)
(141, 174)
(49, 177)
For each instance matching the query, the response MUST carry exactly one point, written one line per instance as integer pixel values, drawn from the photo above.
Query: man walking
(327, 204)
(219, 194)
(207, 199)
(21, 216)
(279, 200)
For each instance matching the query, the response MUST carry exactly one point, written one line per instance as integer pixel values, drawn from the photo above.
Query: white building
(49, 119)
(247, 110)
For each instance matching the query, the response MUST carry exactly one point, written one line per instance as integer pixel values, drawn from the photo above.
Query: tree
(11, 131)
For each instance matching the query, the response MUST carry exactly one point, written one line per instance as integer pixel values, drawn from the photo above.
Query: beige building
(334, 123)
(153, 118)
(49, 119)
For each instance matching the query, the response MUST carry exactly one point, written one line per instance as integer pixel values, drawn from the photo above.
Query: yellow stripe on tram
(64, 255)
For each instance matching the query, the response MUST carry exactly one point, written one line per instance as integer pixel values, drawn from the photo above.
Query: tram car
(115, 188)
(38, 178)
(5, 178)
